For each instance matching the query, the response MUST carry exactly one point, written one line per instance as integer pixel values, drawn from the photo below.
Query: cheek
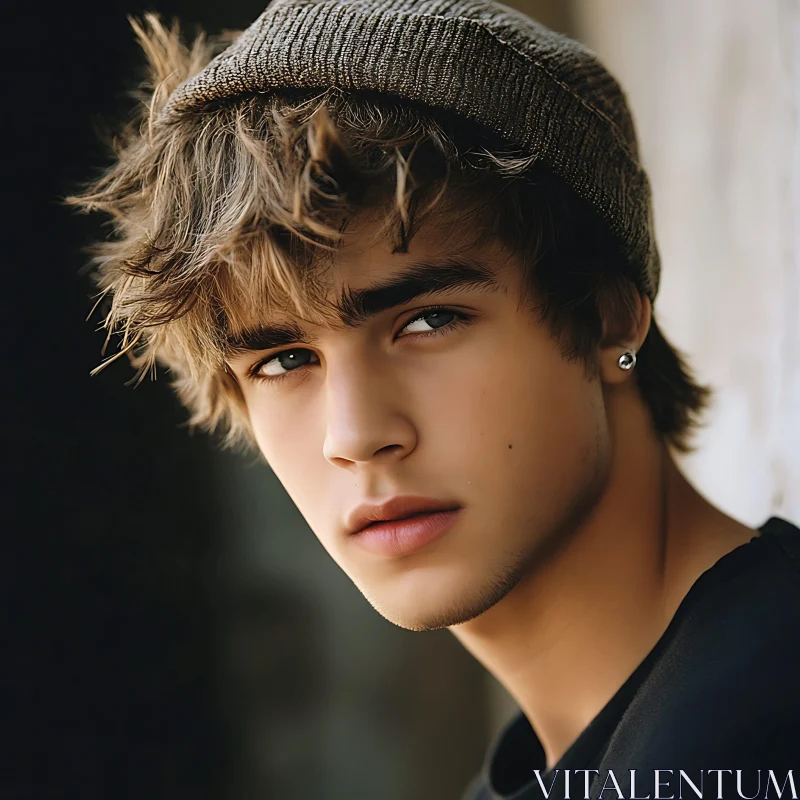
(526, 397)
(523, 430)
(289, 444)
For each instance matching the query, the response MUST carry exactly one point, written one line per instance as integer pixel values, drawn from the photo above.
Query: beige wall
(715, 90)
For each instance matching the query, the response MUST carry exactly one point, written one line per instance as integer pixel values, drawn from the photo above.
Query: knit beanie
(538, 90)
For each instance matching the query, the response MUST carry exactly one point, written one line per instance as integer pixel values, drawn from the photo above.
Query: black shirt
(719, 692)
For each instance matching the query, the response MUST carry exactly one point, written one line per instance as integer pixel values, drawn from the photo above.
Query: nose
(365, 417)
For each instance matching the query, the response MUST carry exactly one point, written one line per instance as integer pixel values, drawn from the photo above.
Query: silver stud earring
(627, 360)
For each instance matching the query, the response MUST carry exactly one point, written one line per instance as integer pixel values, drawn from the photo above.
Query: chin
(438, 602)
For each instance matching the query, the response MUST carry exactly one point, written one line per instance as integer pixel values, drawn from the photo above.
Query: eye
(432, 320)
(283, 363)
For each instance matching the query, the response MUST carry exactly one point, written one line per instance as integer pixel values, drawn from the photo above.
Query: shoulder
(726, 687)
(747, 605)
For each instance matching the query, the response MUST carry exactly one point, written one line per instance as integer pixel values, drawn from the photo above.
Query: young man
(405, 248)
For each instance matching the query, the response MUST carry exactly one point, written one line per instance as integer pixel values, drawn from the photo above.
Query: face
(457, 395)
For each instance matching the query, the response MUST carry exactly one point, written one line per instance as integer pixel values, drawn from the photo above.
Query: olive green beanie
(538, 90)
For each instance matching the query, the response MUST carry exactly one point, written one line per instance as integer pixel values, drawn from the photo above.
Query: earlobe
(619, 357)
(616, 363)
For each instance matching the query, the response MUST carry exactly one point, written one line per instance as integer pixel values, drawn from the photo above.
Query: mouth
(397, 533)
(402, 519)
(370, 515)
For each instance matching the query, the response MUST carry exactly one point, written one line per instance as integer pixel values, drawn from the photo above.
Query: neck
(566, 638)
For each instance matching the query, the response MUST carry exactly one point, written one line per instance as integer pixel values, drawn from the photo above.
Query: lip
(401, 525)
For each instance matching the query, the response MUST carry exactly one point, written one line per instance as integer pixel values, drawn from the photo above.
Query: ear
(622, 338)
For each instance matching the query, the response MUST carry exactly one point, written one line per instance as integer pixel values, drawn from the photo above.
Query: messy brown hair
(229, 211)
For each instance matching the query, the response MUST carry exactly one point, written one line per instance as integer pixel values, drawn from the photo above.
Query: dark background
(111, 685)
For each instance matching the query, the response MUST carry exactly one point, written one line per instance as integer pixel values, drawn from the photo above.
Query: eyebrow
(355, 306)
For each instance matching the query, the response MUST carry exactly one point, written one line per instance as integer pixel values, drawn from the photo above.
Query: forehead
(445, 251)
(365, 250)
